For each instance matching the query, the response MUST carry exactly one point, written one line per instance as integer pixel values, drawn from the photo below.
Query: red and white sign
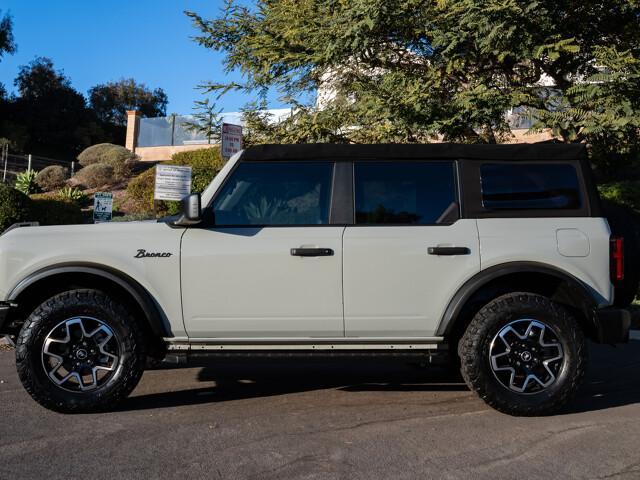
(231, 139)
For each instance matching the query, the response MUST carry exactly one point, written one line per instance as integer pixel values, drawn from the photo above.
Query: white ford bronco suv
(499, 254)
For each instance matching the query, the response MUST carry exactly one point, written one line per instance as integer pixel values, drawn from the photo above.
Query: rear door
(408, 251)
(271, 265)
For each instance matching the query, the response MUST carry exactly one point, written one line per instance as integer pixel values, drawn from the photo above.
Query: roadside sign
(231, 139)
(102, 206)
(172, 182)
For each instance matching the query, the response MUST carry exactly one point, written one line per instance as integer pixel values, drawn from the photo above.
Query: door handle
(448, 251)
(311, 252)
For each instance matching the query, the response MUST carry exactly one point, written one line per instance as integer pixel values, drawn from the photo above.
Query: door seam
(344, 326)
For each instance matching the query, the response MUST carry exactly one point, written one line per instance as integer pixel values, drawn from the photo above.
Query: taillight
(617, 258)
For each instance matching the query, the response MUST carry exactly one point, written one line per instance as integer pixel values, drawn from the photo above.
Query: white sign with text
(172, 182)
(231, 139)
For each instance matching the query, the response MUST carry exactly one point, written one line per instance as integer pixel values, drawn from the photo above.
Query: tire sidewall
(50, 314)
(476, 360)
(563, 333)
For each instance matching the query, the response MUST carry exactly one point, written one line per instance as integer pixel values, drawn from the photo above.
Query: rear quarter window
(530, 186)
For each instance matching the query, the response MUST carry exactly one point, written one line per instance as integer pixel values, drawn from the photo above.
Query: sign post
(102, 206)
(231, 139)
(172, 182)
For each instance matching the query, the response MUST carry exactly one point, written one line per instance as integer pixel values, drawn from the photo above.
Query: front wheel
(523, 354)
(80, 351)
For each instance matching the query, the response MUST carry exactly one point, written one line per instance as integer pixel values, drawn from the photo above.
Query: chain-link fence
(13, 164)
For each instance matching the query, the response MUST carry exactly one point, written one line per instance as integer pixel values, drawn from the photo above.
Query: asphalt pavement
(325, 420)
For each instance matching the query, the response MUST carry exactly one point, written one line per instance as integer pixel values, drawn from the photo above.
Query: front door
(271, 265)
(408, 252)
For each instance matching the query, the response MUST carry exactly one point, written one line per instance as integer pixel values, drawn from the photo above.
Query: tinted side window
(529, 186)
(276, 193)
(403, 192)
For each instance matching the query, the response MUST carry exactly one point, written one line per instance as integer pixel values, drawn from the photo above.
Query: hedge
(205, 164)
(54, 211)
(14, 206)
(17, 207)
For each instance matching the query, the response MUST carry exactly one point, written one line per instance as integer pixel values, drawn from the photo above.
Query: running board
(430, 343)
(182, 352)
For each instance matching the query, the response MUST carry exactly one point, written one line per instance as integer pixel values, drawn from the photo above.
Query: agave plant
(73, 194)
(26, 182)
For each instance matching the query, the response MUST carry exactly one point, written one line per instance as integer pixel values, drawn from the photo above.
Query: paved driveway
(351, 420)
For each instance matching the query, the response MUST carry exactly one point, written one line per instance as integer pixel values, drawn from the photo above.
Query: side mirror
(190, 210)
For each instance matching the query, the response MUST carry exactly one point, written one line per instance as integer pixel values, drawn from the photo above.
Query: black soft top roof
(325, 151)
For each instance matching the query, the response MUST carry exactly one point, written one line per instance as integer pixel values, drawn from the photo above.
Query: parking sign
(231, 139)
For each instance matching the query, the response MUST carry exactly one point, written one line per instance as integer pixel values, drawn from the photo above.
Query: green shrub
(52, 177)
(140, 190)
(626, 192)
(72, 194)
(96, 175)
(14, 206)
(51, 211)
(26, 182)
(205, 164)
(104, 153)
(94, 154)
(118, 157)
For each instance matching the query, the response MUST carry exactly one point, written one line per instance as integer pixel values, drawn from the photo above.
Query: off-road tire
(474, 347)
(93, 303)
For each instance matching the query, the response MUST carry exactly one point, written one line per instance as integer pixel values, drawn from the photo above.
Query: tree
(48, 117)
(7, 42)
(7, 45)
(415, 70)
(39, 79)
(111, 100)
(206, 120)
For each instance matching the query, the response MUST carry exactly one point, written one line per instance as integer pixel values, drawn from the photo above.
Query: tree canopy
(206, 120)
(48, 116)
(414, 70)
(111, 100)
(7, 43)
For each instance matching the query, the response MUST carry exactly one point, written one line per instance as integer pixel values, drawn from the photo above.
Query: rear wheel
(523, 354)
(80, 351)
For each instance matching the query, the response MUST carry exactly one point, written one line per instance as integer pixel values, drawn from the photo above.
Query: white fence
(12, 164)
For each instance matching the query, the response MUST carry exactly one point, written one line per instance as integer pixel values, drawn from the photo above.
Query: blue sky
(95, 41)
